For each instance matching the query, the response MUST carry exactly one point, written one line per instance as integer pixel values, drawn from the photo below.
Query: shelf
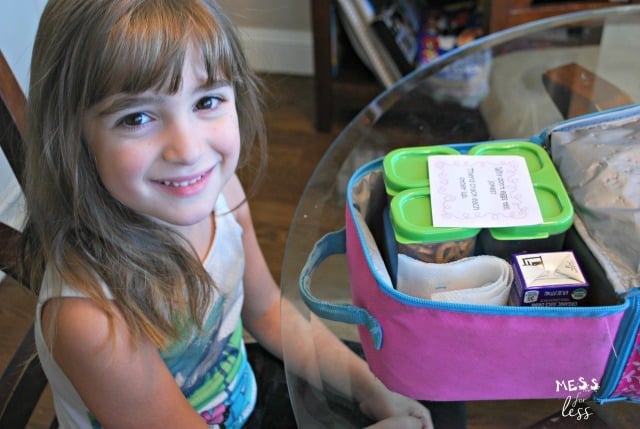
(498, 15)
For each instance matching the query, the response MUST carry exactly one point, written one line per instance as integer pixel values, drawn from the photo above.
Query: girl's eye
(135, 120)
(207, 103)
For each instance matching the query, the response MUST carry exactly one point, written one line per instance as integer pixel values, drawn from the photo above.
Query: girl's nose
(183, 144)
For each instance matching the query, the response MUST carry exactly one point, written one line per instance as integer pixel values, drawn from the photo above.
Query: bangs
(146, 48)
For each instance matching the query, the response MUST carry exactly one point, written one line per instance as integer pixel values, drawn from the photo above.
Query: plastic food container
(408, 168)
(410, 212)
(555, 205)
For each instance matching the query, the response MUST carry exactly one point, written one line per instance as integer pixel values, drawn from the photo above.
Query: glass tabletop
(510, 84)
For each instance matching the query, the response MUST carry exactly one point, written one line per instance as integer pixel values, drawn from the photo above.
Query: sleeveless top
(210, 366)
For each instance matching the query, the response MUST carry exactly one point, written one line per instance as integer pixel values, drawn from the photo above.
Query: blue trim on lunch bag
(586, 120)
(388, 289)
(625, 340)
(624, 345)
(334, 243)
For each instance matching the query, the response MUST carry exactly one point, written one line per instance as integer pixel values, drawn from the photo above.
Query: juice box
(552, 279)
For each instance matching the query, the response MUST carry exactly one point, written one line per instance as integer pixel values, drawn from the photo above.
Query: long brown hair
(84, 52)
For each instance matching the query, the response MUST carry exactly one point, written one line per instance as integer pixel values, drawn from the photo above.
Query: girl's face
(167, 156)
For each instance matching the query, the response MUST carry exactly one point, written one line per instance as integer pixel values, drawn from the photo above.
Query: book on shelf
(357, 17)
(393, 37)
(397, 24)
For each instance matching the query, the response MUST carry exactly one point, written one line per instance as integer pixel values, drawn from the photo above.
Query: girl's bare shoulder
(81, 327)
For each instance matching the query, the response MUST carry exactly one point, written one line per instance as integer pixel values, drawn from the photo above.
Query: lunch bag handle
(334, 243)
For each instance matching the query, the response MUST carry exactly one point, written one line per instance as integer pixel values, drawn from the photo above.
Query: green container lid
(412, 222)
(553, 199)
(535, 156)
(408, 168)
(557, 218)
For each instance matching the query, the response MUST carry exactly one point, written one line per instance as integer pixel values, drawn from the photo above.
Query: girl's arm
(123, 384)
(345, 370)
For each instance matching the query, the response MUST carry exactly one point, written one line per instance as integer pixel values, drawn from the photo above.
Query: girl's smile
(164, 155)
(185, 186)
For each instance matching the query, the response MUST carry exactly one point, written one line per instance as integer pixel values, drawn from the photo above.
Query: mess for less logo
(574, 404)
(579, 384)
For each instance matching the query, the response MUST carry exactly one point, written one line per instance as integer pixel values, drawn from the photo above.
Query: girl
(139, 113)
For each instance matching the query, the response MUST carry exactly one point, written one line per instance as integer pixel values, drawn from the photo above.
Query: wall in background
(282, 14)
(18, 25)
(276, 33)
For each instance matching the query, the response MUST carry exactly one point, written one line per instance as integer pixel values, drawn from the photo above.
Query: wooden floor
(294, 149)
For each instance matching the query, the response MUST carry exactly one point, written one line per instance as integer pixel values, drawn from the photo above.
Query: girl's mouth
(183, 183)
(186, 185)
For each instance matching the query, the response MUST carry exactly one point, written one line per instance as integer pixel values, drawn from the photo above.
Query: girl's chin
(180, 222)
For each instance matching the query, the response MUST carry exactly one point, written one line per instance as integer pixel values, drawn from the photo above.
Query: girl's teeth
(182, 184)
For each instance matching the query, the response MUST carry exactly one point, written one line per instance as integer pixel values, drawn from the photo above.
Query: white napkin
(482, 279)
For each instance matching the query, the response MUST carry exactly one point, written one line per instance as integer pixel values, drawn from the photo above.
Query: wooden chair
(23, 381)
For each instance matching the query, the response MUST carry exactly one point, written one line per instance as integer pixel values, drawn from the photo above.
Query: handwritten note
(482, 191)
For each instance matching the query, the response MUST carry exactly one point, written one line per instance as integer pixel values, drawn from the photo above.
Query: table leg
(321, 24)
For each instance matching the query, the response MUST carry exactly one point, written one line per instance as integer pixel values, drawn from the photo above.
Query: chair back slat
(12, 118)
(9, 238)
(23, 381)
(12, 95)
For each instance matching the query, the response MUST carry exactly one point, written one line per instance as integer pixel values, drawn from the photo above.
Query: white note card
(482, 191)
